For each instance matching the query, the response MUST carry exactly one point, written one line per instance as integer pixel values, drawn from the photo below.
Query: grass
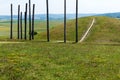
(51, 61)
(97, 58)
(40, 26)
(105, 30)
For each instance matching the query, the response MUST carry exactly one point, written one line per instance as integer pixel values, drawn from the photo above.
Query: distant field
(40, 26)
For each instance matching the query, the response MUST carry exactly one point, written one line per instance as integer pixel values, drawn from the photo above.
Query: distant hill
(51, 16)
(113, 15)
(61, 16)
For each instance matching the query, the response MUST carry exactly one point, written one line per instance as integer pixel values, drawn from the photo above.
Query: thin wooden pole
(11, 27)
(21, 25)
(29, 19)
(48, 34)
(64, 21)
(25, 35)
(76, 21)
(18, 28)
(33, 14)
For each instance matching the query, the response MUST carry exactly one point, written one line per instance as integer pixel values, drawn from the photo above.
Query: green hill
(105, 30)
(56, 33)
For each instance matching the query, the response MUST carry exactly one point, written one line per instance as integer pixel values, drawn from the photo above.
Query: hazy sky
(56, 6)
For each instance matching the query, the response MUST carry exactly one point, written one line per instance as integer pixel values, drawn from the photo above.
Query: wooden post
(76, 21)
(29, 20)
(18, 28)
(48, 34)
(33, 14)
(25, 23)
(11, 27)
(25, 35)
(21, 24)
(64, 21)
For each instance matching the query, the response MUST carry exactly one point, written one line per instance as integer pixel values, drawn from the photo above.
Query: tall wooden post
(64, 21)
(48, 34)
(18, 28)
(76, 21)
(29, 19)
(11, 26)
(25, 28)
(25, 33)
(33, 14)
(21, 25)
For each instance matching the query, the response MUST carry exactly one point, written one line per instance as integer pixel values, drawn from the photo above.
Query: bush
(35, 33)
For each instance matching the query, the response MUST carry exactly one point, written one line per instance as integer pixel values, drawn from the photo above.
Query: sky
(57, 6)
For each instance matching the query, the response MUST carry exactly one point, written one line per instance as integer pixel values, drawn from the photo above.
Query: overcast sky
(56, 6)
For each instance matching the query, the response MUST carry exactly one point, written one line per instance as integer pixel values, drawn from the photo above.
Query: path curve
(86, 33)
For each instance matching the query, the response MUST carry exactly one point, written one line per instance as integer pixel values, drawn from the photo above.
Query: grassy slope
(57, 32)
(105, 30)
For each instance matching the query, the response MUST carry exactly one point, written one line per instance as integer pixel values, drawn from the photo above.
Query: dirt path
(6, 42)
(86, 33)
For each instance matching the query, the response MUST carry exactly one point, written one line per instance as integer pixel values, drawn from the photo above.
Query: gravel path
(86, 33)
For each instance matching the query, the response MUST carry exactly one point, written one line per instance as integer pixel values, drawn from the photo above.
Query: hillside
(105, 30)
(56, 33)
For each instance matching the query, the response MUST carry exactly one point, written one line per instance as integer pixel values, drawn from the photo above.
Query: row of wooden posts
(20, 22)
(31, 22)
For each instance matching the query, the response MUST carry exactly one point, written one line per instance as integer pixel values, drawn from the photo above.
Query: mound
(57, 33)
(105, 30)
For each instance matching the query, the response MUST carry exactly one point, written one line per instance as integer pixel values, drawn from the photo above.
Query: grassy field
(40, 26)
(94, 59)
(58, 61)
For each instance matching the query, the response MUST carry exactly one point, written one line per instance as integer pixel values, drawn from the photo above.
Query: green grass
(105, 30)
(58, 61)
(40, 26)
